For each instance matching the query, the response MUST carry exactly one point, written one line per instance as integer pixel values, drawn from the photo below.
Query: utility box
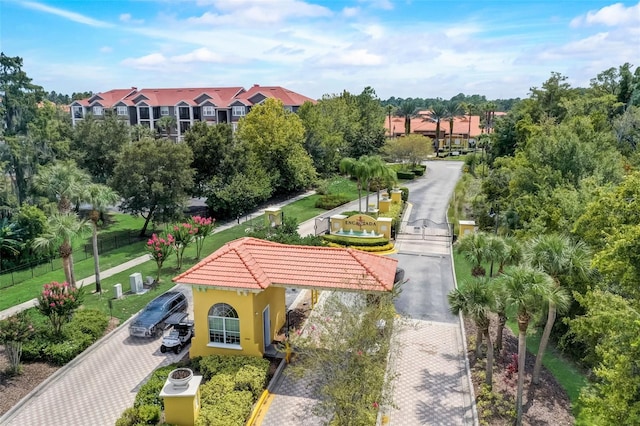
(135, 280)
(117, 291)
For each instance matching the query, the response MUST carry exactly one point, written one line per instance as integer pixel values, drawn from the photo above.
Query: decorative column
(181, 397)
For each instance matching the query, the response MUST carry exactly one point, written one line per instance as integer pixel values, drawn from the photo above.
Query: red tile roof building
(253, 264)
(187, 105)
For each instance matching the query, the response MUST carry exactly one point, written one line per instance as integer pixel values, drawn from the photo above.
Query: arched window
(224, 325)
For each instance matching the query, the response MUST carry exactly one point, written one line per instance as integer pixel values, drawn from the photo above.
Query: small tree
(58, 302)
(160, 248)
(14, 331)
(184, 234)
(203, 227)
(346, 342)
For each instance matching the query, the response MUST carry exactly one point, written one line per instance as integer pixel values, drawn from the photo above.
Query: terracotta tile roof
(222, 97)
(423, 124)
(254, 264)
(288, 97)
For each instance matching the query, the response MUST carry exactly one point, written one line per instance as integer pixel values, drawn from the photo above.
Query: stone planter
(180, 377)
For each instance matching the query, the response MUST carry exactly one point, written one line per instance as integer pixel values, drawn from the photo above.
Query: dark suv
(151, 321)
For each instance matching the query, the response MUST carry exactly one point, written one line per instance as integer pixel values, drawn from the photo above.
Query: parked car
(151, 322)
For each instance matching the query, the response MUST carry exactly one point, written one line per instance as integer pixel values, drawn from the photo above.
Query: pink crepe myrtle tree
(58, 302)
(160, 248)
(184, 234)
(203, 227)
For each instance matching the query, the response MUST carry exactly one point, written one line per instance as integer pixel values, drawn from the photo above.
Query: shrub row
(355, 241)
(368, 249)
(231, 385)
(405, 174)
(86, 326)
(331, 201)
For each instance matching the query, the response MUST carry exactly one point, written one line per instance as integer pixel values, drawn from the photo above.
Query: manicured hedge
(331, 201)
(405, 193)
(405, 174)
(86, 326)
(355, 241)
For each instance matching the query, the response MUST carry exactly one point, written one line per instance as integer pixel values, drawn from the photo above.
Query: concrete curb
(474, 409)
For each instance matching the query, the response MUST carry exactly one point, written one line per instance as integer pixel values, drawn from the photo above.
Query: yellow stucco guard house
(239, 290)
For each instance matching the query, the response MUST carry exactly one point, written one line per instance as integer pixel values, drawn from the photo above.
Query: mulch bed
(544, 404)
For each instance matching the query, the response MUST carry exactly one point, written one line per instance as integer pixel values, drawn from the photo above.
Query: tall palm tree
(407, 110)
(474, 248)
(452, 111)
(557, 256)
(62, 228)
(100, 197)
(438, 113)
(475, 299)
(63, 182)
(496, 250)
(359, 170)
(527, 290)
(390, 109)
(377, 173)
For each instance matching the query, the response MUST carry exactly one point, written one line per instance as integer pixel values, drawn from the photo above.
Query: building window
(224, 325)
(164, 110)
(208, 111)
(77, 112)
(288, 108)
(97, 110)
(238, 111)
(144, 113)
(123, 110)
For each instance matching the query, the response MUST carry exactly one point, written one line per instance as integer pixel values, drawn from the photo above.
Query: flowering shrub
(203, 227)
(184, 234)
(14, 331)
(160, 247)
(58, 302)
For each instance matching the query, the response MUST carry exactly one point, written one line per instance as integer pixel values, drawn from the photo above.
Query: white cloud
(152, 61)
(255, 12)
(128, 19)
(72, 16)
(614, 15)
(199, 55)
(350, 12)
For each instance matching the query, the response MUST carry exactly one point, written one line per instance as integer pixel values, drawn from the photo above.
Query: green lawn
(302, 210)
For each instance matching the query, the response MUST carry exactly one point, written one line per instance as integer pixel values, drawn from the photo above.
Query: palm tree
(377, 173)
(438, 113)
(557, 256)
(9, 239)
(390, 109)
(63, 182)
(100, 197)
(474, 248)
(407, 110)
(62, 228)
(527, 290)
(452, 111)
(166, 124)
(496, 250)
(357, 169)
(475, 299)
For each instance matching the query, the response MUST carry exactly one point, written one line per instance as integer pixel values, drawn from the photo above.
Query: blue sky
(402, 48)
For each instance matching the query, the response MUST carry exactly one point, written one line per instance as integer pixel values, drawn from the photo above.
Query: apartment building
(186, 105)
